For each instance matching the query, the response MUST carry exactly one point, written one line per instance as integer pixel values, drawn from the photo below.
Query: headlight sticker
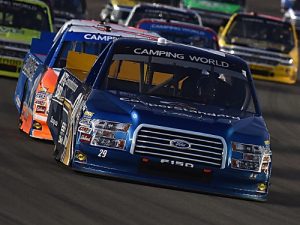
(250, 157)
(109, 134)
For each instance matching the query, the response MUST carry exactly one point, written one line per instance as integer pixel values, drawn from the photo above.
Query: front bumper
(266, 65)
(10, 67)
(279, 73)
(121, 164)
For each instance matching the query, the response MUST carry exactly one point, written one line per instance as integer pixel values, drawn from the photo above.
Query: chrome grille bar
(192, 149)
(179, 136)
(156, 141)
(177, 152)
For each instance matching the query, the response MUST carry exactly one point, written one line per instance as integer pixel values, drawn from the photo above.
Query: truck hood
(213, 6)
(176, 114)
(21, 35)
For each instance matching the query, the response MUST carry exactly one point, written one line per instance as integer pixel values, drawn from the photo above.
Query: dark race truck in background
(184, 33)
(215, 13)
(164, 113)
(163, 12)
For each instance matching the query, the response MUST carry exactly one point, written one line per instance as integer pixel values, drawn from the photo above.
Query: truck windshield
(261, 33)
(180, 80)
(71, 6)
(162, 13)
(24, 15)
(93, 48)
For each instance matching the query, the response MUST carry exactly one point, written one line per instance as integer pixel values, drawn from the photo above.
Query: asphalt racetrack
(36, 190)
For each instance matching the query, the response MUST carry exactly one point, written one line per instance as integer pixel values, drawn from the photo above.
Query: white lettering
(176, 163)
(159, 53)
(209, 61)
(98, 37)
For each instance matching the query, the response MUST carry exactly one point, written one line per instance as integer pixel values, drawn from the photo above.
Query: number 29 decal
(102, 153)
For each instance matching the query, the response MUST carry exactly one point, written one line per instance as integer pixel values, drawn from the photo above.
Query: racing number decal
(102, 153)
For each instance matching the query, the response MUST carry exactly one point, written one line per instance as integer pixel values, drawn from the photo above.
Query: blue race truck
(38, 77)
(164, 113)
(184, 33)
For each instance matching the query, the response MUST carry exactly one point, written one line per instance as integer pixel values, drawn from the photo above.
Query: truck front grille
(201, 149)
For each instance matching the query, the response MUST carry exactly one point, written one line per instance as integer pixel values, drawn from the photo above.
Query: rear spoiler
(43, 44)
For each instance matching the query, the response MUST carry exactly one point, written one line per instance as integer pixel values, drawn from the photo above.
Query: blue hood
(180, 114)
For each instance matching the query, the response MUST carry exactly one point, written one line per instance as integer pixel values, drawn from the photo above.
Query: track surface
(36, 190)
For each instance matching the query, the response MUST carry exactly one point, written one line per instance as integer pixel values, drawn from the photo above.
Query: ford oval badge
(177, 143)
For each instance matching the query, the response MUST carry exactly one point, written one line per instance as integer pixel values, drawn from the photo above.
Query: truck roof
(166, 8)
(96, 27)
(186, 52)
(175, 23)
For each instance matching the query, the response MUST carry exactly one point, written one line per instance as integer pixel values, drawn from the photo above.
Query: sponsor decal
(85, 121)
(99, 37)
(41, 95)
(53, 121)
(88, 114)
(85, 138)
(10, 29)
(188, 30)
(30, 66)
(110, 125)
(80, 156)
(62, 133)
(84, 129)
(40, 109)
(177, 163)
(174, 55)
(36, 125)
(176, 106)
(109, 143)
(105, 133)
(151, 52)
(181, 144)
(40, 102)
(72, 85)
(60, 85)
(18, 102)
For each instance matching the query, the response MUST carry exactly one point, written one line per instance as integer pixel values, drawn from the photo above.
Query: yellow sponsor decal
(88, 113)
(10, 62)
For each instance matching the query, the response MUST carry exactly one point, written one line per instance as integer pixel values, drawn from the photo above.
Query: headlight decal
(103, 133)
(250, 157)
